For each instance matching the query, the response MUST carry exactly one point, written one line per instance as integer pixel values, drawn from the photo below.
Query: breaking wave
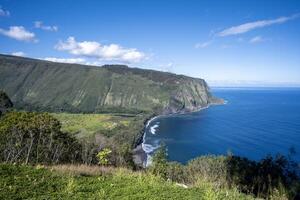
(153, 128)
(150, 148)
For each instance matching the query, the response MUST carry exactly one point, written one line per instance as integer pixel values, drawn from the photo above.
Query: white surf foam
(153, 129)
(148, 123)
(148, 148)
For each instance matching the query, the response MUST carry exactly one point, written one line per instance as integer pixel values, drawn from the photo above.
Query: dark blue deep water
(253, 123)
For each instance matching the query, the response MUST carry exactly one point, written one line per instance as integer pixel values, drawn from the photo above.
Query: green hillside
(48, 86)
(92, 182)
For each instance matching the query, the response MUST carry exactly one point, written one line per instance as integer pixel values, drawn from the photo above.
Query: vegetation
(35, 138)
(118, 132)
(84, 182)
(265, 177)
(85, 125)
(103, 156)
(27, 137)
(160, 164)
(271, 178)
(39, 138)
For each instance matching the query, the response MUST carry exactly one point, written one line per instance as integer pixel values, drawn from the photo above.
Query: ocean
(254, 122)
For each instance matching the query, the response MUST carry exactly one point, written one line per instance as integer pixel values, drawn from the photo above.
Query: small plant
(70, 186)
(103, 156)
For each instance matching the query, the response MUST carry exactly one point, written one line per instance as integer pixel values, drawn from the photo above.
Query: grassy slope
(24, 182)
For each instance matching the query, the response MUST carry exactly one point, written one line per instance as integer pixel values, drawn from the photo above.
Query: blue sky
(222, 41)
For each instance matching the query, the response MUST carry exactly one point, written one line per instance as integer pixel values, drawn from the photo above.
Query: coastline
(140, 155)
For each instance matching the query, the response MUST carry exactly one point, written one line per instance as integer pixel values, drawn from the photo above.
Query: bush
(159, 162)
(103, 156)
(271, 177)
(176, 172)
(209, 168)
(265, 177)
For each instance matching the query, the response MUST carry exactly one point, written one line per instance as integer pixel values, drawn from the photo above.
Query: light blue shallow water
(254, 123)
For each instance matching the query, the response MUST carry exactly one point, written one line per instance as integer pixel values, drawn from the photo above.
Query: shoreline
(140, 156)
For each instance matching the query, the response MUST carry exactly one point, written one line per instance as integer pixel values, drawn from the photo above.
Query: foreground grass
(84, 182)
(89, 124)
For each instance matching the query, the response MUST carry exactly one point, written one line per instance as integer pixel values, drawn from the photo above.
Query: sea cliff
(54, 87)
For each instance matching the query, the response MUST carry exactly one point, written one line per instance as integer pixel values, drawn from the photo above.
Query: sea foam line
(148, 148)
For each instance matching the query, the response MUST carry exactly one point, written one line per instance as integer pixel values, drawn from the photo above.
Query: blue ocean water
(254, 122)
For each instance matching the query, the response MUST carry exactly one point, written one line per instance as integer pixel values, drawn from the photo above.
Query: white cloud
(18, 53)
(40, 25)
(19, 33)
(243, 28)
(4, 13)
(256, 39)
(81, 61)
(66, 60)
(203, 45)
(94, 63)
(168, 67)
(111, 52)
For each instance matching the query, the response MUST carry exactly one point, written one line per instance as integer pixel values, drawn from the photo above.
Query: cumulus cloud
(256, 39)
(66, 60)
(18, 53)
(243, 28)
(203, 45)
(19, 33)
(111, 52)
(40, 25)
(4, 13)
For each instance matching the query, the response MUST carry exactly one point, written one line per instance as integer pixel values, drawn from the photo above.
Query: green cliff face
(48, 86)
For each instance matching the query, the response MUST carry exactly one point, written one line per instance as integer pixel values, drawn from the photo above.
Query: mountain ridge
(49, 86)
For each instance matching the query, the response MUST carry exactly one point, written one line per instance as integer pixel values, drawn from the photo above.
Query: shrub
(159, 162)
(209, 168)
(270, 176)
(176, 172)
(103, 156)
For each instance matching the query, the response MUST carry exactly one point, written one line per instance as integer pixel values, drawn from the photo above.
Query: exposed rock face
(48, 86)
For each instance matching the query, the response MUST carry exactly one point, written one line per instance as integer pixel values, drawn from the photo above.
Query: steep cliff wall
(48, 86)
